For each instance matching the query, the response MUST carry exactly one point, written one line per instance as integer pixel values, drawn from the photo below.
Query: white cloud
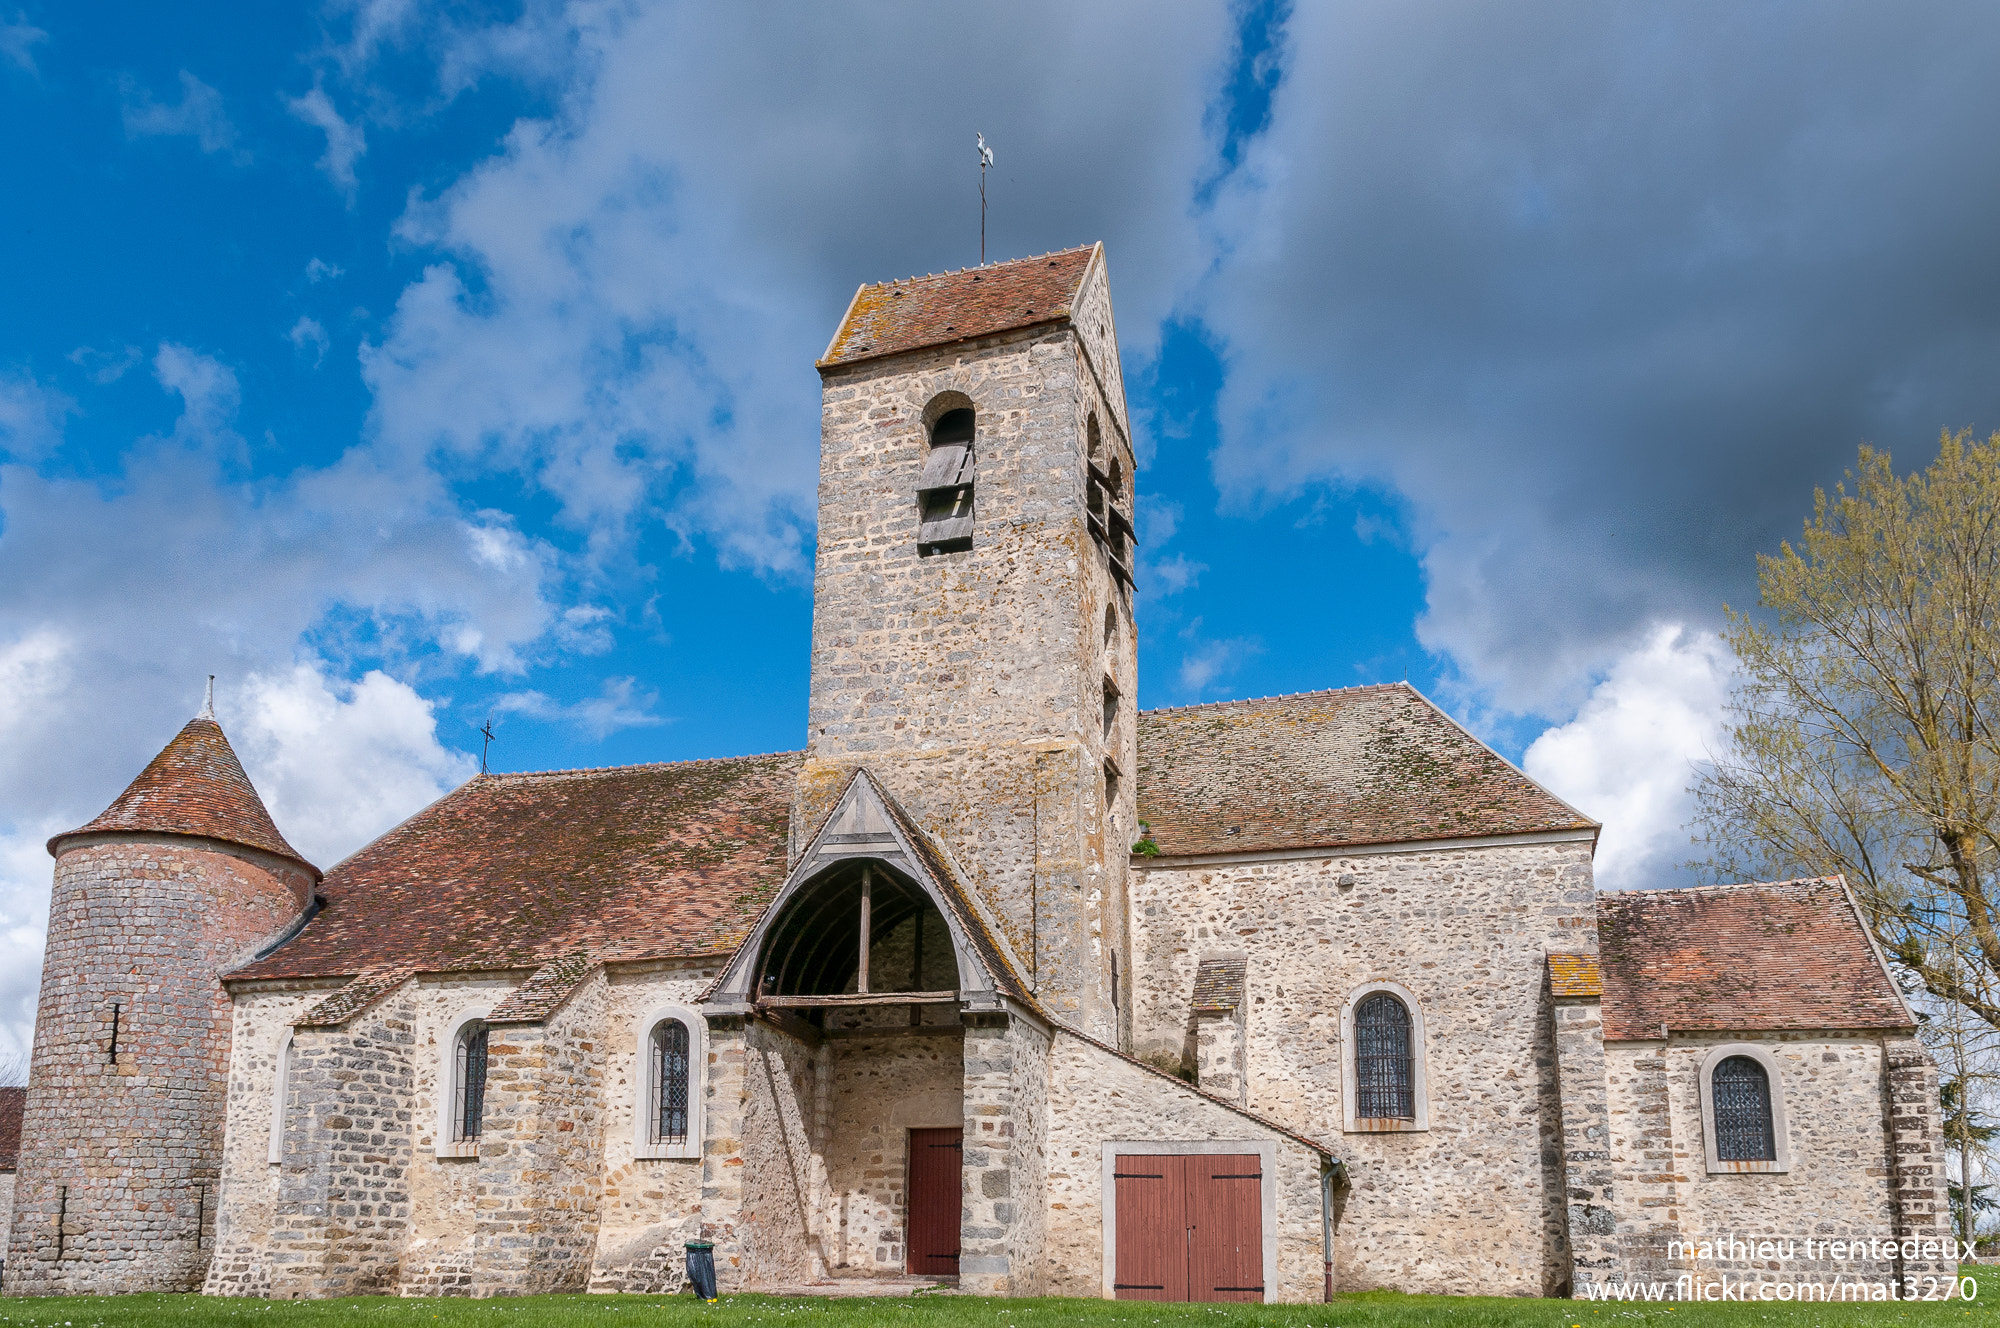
(31, 417)
(345, 141)
(308, 334)
(18, 40)
(337, 762)
(320, 270)
(118, 595)
(105, 366)
(1630, 754)
(621, 704)
(1207, 663)
(198, 115)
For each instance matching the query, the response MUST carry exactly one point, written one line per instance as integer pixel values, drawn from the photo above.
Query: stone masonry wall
(1096, 1096)
(650, 1207)
(247, 1197)
(1588, 1175)
(1476, 1202)
(541, 1150)
(342, 1216)
(1842, 1184)
(782, 1177)
(883, 1085)
(972, 683)
(126, 1156)
(1002, 1239)
(445, 1192)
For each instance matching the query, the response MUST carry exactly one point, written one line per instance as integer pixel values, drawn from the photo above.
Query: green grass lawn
(1372, 1310)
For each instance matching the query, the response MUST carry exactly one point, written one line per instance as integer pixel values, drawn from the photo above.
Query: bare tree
(1862, 737)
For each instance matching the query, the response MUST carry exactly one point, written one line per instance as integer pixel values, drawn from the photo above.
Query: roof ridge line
(1657, 891)
(1280, 696)
(636, 765)
(980, 267)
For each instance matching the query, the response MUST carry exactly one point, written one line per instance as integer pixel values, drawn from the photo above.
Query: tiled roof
(1740, 957)
(196, 786)
(1575, 975)
(12, 1102)
(1219, 982)
(895, 316)
(517, 871)
(1361, 765)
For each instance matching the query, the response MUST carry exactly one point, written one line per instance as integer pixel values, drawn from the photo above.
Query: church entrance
(936, 1197)
(1189, 1227)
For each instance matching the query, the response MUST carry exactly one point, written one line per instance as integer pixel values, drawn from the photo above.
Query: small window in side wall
(1742, 1095)
(1384, 1060)
(1743, 1110)
(944, 491)
(671, 1067)
(468, 1086)
(280, 1085)
(670, 1083)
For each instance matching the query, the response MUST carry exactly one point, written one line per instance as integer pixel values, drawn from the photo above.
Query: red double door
(937, 1196)
(1189, 1227)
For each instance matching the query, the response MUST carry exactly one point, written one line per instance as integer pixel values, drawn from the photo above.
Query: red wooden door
(1151, 1258)
(1226, 1214)
(937, 1196)
(1190, 1227)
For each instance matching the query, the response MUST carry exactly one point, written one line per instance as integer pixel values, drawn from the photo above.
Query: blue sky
(409, 365)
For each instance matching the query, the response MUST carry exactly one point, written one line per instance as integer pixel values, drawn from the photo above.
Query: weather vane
(985, 160)
(486, 732)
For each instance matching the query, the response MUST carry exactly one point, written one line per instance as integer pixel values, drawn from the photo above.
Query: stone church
(998, 982)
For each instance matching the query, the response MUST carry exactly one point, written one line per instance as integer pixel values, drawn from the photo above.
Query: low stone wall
(1095, 1096)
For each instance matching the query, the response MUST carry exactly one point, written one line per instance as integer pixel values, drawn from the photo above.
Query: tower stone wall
(122, 1143)
(992, 689)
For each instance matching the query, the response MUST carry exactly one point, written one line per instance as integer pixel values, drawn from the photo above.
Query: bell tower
(972, 618)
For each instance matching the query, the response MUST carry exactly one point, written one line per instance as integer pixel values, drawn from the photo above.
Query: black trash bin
(701, 1268)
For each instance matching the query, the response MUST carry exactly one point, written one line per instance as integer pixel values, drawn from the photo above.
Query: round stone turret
(181, 879)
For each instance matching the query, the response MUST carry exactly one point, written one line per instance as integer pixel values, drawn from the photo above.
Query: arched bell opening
(860, 934)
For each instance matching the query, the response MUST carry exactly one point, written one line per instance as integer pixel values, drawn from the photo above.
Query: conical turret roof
(196, 786)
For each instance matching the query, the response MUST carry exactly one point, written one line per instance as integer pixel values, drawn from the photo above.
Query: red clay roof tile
(518, 871)
(1790, 954)
(1361, 765)
(196, 786)
(894, 316)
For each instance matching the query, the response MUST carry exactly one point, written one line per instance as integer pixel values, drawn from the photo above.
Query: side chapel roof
(1358, 765)
(889, 317)
(516, 871)
(195, 786)
(1719, 958)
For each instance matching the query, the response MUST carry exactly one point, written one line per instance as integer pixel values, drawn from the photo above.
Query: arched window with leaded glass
(667, 1110)
(1382, 1065)
(1385, 1072)
(1743, 1110)
(462, 1086)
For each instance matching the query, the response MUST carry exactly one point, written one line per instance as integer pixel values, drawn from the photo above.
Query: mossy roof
(1333, 769)
(517, 871)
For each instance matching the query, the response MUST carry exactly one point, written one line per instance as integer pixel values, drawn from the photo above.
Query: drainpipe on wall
(1327, 1170)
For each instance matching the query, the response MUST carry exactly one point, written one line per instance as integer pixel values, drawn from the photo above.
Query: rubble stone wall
(1476, 1202)
(1097, 1096)
(124, 1156)
(246, 1202)
(1843, 1183)
(883, 1085)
